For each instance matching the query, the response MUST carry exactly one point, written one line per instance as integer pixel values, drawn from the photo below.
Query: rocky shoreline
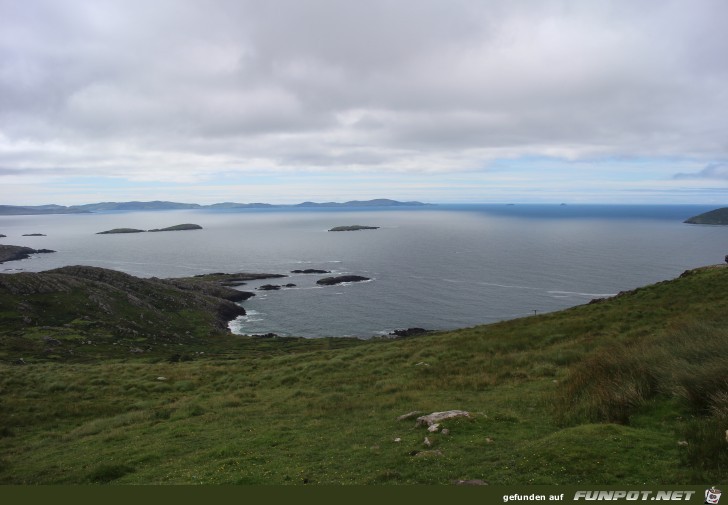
(16, 252)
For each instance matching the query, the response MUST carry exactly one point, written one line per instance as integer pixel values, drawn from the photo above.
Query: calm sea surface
(439, 267)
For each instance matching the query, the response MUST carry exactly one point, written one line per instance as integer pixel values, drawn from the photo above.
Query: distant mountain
(160, 205)
(13, 210)
(155, 205)
(233, 205)
(717, 216)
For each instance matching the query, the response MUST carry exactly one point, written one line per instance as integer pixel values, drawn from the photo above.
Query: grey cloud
(297, 82)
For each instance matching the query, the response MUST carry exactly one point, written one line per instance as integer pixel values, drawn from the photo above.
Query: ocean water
(439, 267)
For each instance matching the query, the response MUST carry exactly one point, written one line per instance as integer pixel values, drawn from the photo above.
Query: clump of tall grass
(687, 364)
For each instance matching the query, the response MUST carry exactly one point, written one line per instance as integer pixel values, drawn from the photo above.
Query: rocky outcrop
(436, 417)
(119, 302)
(269, 287)
(311, 271)
(16, 252)
(332, 281)
(34, 235)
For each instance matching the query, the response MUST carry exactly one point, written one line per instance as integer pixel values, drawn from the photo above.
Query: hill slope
(555, 398)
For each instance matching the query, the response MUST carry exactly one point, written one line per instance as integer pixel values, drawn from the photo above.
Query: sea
(436, 267)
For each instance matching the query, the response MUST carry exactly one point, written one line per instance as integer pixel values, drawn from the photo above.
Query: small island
(120, 230)
(178, 227)
(34, 235)
(355, 227)
(714, 217)
(332, 281)
(311, 271)
(2, 236)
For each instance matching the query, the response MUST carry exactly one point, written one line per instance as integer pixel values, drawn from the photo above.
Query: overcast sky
(291, 100)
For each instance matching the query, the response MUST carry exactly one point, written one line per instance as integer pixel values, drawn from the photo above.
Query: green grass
(597, 394)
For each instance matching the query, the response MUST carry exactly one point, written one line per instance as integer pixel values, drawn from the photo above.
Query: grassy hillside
(630, 390)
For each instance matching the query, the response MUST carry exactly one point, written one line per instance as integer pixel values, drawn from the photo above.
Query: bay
(441, 267)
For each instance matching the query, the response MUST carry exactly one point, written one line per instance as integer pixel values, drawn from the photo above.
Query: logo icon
(712, 496)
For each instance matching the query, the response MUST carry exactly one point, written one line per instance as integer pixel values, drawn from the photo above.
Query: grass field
(631, 390)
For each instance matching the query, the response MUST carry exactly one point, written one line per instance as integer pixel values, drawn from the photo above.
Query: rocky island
(714, 217)
(16, 252)
(34, 235)
(355, 227)
(120, 230)
(332, 281)
(311, 271)
(178, 227)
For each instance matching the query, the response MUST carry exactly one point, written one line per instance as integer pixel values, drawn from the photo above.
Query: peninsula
(714, 217)
(16, 252)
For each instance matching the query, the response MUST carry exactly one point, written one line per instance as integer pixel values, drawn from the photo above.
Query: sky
(282, 101)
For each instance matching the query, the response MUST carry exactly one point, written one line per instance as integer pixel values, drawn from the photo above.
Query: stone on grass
(434, 428)
(427, 442)
(470, 482)
(409, 415)
(435, 417)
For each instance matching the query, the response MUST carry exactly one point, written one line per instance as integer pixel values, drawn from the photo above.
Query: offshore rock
(332, 281)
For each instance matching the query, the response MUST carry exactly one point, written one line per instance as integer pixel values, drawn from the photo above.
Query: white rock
(427, 442)
(434, 428)
(435, 417)
(160, 378)
(398, 440)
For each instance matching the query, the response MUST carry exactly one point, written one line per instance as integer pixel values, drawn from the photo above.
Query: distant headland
(7, 210)
(716, 217)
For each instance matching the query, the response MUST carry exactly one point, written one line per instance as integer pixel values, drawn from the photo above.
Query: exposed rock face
(355, 227)
(436, 417)
(311, 271)
(16, 252)
(331, 281)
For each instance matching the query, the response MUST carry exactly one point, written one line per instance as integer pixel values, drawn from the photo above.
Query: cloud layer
(194, 91)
